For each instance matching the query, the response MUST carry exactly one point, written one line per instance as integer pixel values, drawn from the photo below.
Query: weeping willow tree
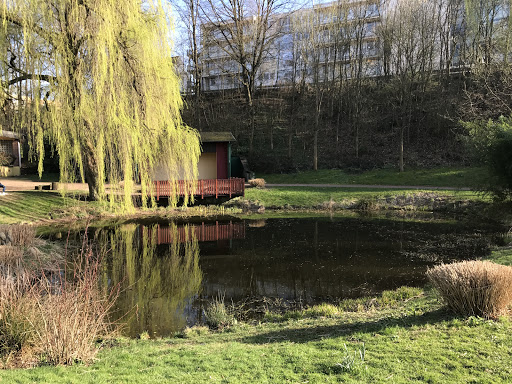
(95, 79)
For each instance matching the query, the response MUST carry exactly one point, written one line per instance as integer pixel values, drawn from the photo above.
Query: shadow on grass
(304, 334)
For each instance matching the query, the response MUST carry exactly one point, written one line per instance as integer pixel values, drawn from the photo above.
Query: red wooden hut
(214, 170)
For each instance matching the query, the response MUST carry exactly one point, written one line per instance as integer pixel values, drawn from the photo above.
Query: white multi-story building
(312, 44)
(341, 40)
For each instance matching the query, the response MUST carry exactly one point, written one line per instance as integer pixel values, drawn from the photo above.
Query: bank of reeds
(474, 288)
(51, 316)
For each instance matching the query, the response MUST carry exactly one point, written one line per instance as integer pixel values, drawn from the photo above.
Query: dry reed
(9, 255)
(258, 183)
(18, 234)
(474, 288)
(57, 315)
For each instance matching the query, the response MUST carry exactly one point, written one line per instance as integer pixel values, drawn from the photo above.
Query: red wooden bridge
(204, 188)
(203, 232)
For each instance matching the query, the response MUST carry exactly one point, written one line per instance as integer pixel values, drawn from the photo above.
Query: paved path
(25, 184)
(370, 186)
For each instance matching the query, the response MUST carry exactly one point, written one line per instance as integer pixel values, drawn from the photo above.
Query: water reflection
(167, 271)
(158, 281)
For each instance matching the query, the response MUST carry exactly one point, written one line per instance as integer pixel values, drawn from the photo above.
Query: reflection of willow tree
(156, 286)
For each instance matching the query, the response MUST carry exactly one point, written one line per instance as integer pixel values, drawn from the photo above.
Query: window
(371, 48)
(372, 11)
(6, 146)
(370, 29)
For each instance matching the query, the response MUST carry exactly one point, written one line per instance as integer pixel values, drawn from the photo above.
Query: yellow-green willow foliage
(97, 81)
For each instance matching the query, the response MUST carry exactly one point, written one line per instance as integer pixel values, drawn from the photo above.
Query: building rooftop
(8, 135)
(216, 137)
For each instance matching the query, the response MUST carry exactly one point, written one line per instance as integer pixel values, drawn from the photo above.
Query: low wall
(9, 171)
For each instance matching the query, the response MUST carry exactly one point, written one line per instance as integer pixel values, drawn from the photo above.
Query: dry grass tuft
(17, 234)
(257, 183)
(474, 288)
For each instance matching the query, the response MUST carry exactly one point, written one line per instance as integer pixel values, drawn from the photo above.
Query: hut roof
(8, 135)
(216, 137)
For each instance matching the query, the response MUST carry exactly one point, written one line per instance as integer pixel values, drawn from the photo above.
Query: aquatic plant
(218, 315)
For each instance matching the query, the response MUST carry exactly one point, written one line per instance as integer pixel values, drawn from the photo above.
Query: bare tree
(243, 31)
(411, 29)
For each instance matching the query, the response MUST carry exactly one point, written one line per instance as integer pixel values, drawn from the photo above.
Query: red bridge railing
(204, 232)
(204, 188)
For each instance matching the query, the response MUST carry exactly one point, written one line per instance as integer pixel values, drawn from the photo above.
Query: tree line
(367, 84)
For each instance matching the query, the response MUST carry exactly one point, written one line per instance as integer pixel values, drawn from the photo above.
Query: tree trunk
(401, 149)
(252, 123)
(315, 150)
(92, 177)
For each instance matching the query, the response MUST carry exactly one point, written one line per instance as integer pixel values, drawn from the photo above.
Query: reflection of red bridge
(202, 232)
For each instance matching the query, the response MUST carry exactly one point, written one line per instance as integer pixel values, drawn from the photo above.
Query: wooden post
(157, 190)
(202, 188)
(216, 188)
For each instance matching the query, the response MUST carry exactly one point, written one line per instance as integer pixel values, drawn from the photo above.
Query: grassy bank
(435, 177)
(32, 206)
(356, 198)
(17, 207)
(398, 340)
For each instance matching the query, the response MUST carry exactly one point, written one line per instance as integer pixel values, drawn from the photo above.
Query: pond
(168, 271)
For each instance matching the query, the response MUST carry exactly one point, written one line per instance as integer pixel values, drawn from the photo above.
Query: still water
(168, 271)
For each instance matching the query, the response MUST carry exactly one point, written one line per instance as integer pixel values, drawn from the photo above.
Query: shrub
(364, 204)
(218, 315)
(258, 183)
(6, 159)
(15, 326)
(474, 288)
(57, 316)
(324, 310)
(500, 165)
(492, 145)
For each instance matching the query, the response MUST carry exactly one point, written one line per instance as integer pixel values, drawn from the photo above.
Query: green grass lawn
(436, 177)
(19, 207)
(46, 177)
(502, 255)
(312, 197)
(411, 341)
